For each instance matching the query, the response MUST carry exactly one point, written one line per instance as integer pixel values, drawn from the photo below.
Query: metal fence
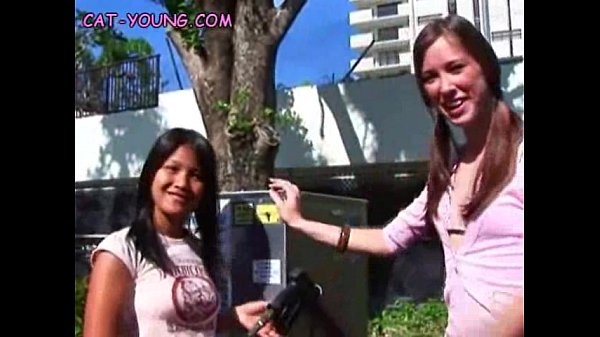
(128, 85)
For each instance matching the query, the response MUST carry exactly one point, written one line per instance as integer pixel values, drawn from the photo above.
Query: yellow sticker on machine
(267, 214)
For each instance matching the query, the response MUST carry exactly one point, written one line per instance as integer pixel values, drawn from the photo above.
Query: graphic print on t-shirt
(194, 297)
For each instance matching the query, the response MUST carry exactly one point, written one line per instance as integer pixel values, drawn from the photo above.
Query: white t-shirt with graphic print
(185, 304)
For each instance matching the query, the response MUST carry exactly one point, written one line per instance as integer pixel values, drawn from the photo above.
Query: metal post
(452, 7)
(510, 36)
(358, 60)
(476, 19)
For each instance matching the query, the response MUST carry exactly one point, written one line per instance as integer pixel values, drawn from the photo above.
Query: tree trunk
(252, 154)
(239, 61)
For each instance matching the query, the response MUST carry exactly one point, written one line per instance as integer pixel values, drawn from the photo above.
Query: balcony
(431, 7)
(383, 64)
(128, 85)
(369, 18)
(360, 4)
(361, 41)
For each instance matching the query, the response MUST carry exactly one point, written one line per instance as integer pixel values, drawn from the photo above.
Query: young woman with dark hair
(155, 278)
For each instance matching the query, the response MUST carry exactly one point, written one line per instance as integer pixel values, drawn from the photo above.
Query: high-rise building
(391, 26)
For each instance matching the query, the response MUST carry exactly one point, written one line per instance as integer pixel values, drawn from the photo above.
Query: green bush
(80, 292)
(408, 319)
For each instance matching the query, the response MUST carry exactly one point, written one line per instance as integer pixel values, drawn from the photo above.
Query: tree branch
(285, 16)
(192, 62)
(216, 6)
(182, 51)
(294, 6)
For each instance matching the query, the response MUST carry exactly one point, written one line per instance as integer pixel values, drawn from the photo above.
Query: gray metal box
(261, 250)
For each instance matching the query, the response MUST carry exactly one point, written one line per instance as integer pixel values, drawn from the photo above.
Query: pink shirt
(183, 304)
(487, 269)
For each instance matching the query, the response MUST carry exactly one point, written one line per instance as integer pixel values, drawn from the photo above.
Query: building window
(425, 19)
(388, 33)
(385, 58)
(506, 34)
(387, 10)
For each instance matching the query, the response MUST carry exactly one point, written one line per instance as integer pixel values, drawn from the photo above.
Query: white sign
(266, 271)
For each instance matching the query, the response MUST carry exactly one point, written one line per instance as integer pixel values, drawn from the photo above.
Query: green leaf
(408, 319)
(112, 44)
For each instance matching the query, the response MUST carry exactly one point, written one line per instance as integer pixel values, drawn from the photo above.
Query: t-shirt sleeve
(121, 247)
(409, 225)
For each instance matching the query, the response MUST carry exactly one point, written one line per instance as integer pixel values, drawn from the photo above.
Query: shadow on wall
(380, 120)
(513, 85)
(129, 138)
(385, 120)
(295, 147)
(332, 97)
(104, 210)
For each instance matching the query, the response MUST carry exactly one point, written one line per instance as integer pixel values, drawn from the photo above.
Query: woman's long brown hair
(505, 130)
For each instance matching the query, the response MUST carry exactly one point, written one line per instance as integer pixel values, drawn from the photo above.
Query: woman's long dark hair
(505, 133)
(143, 232)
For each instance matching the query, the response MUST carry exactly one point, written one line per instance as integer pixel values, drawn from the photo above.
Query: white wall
(115, 146)
(368, 121)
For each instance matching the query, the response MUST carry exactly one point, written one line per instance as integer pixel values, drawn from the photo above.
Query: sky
(315, 50)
